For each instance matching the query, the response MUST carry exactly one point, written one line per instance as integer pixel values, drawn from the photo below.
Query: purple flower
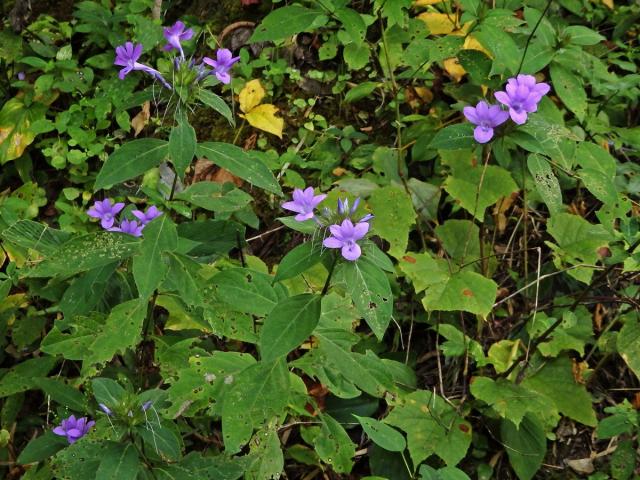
(175, 35)
(105, 211)
(522, 96)
(129, 226)
(146, 405)
(344, 236)
(223, 63)
(486, 117)
(105, 409)
(145, 217)
(21, 76)
(127, 56)
(304, 202)
(74, 429)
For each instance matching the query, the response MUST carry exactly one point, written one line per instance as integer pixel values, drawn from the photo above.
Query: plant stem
(325, 289)
(526, 46)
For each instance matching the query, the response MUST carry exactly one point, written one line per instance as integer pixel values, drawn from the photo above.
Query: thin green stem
(325, 289)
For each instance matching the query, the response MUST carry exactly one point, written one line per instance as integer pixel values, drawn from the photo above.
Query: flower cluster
(127, 56)
(106, 211)
(345, 232)
(74, 428)
(522, 96)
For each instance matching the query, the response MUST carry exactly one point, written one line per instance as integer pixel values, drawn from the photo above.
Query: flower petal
(351, 251)
(482, 134)
(332, 242)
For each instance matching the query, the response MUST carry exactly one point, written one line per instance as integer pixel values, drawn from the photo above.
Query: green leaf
(107, 391)
(300, 259)
(86, 252)
(245, 290)
(182, 146)
(575, 331)
(579, 35)
(36, 236)
(423, 270)
(119, 461)
(432, 426)
(334, 445)
(163, 440)
(371, 293)
(628, 343)
(212, 100)
(598, 172)
(466, 291)
(508, 399)
(289, 324)
(546, 182)
(63, 394)
(41, 448)
(360, 91)
(464, 184)
(87, 291)
(241, 164)
(131, 160)
(454, 137)
(265, 459)
(25, 375)
(555, 380)
(256, 396)
(504, 49)
(568, 87)
(286, 21)
(526, 446)
(382, 434)
(461, 240)
(149, 269)
(215, 197)
(16, 132)
(444, 473)
(394, 216)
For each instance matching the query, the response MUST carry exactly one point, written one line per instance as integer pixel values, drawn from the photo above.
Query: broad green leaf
(423, 270)
(556, 381)
(215, 197)
(382, 434)
(265, 459)
(149, 268)
(628, 343)
(546, 182)
(239, 163)
(196, 466)
(182, 146)
(575, 331)
(458, 344)
(36, 236)
(183, 278)
(508, 399)
(506, 53)
(16, 132)
(63, 394)
(360, 91)
(466, 291)
(578, 242)
(579, 35)
(475, 187)
(598, 172)
(454, 137)
(87, 291)
(245, 290)
(300, 259)
(526, 446)
(547, 137)
(371, 293)
(41, 448)
(65, 463)
(108, 391)
(286, 21)
(256, 396)
(131, 160)
(461, 240)
(25, 375)
(119, 461)
(212, 100)
(334, 445)
(444, 473)
(568, 86)
(86, 252)
(162, 439)
(289, 324)
(394, 216)
(432, 427)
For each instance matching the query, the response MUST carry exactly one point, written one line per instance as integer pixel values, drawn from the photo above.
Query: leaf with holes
(546, 182)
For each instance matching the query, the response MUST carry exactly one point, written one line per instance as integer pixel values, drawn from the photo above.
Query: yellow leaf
(251, 95)
(470, 43)
(438, 23)
(424, 3)
(454, 69)
(608, 3)
(264, 118)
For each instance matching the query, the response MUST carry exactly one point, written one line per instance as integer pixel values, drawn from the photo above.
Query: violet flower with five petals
(145, 217)
(129, 226)
(345, 236)
(222, 64)
(74, 429)
(486, 118)
(522, 96)
(176, 34)
(304, 203)
(105, 211)
(127, 56)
